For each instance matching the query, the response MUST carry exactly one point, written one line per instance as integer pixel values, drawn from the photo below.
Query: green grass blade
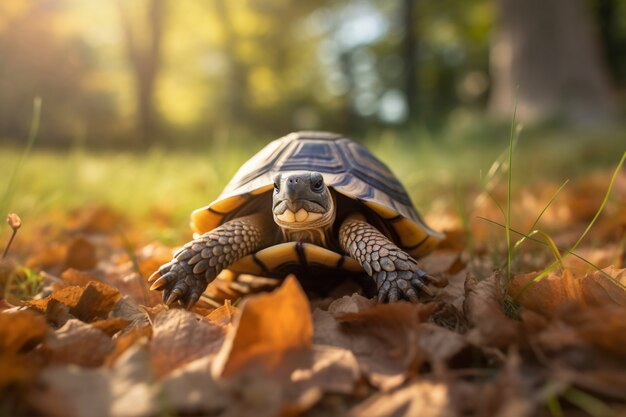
(588, 403)
(568, 252)
(534, 225)
(7, 198)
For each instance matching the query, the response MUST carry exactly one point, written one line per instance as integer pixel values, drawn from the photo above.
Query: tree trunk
(545, 55)
(145, 60)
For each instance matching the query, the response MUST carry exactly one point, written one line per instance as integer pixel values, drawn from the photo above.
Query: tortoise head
(302, 201)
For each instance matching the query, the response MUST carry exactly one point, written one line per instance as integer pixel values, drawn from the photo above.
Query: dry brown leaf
(75, 277)
(424, 399)
(191, 390)
(606, 382)
(385, 340)
(81, 254)
(95, 219)
(111, 326)
(560, 289)
(223, 316)
(350, 304)
(269, 326)
(128, 309)
(484, 311)
(440, 345)
(332, 370)
(21, 331)
(96, 302)
(50, 256)
(78, 343)
(17, 370)
(126, 340)
(68, 296)
(127, 390)
(179, 337)
(604, 327)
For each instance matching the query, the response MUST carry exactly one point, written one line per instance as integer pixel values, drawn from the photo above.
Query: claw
(175, 295)
(193, 298)
(418, 283)
(155, 275)
(412, 295)
(162, 282)
(438, 282)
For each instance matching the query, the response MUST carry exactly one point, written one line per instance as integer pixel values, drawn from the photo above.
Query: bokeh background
(159, 101)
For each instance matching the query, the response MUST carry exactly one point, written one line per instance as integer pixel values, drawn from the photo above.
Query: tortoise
(316, 199)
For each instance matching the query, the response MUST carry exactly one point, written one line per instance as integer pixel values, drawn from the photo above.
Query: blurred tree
(548, 49)
(143, 39)
(42, 55)
(409, 54)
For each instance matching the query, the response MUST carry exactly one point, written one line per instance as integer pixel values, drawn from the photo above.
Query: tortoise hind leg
(395, 272)
(186, 277)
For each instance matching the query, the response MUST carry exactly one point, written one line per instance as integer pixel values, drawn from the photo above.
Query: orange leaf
(270, 326)
(559, 289)
(81, 254)
(21, 331)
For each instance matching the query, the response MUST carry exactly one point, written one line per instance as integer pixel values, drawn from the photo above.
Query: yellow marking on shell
(262, 189)
(382, 211)
(277, 255)
(284, 253)
(202, 220)
(246, 265)
(322, 256)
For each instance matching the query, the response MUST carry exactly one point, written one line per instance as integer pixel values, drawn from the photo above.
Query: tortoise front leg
(197, 264)
(395, 272)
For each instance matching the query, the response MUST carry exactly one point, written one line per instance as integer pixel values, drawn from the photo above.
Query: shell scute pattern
(347, 167)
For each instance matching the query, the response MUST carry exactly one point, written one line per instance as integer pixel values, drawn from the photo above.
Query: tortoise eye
(318, 184)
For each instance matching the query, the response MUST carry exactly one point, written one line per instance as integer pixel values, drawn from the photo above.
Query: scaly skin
(197, 264)
(396, 273)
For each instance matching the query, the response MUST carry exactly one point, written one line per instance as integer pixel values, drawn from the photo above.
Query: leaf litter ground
(95, 341)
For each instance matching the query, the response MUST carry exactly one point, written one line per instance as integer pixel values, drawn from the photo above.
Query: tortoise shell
(349, 169)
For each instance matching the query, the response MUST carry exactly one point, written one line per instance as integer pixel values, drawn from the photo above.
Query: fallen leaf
(78, 343)
(332, 370)
(268, 327)
(17, 371)
(127, 340)
(483, 308)
(440, 345)
(424, 399)
(96, 302)
(179, 337)
(224, 316)
(127, 390)
(21, 331)
(75, 277)
(81, 254)
(111, 326)
(95, 219)
(128, 309)
(385, 340)
(559, 289)
(68, 296)
(191, 390)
